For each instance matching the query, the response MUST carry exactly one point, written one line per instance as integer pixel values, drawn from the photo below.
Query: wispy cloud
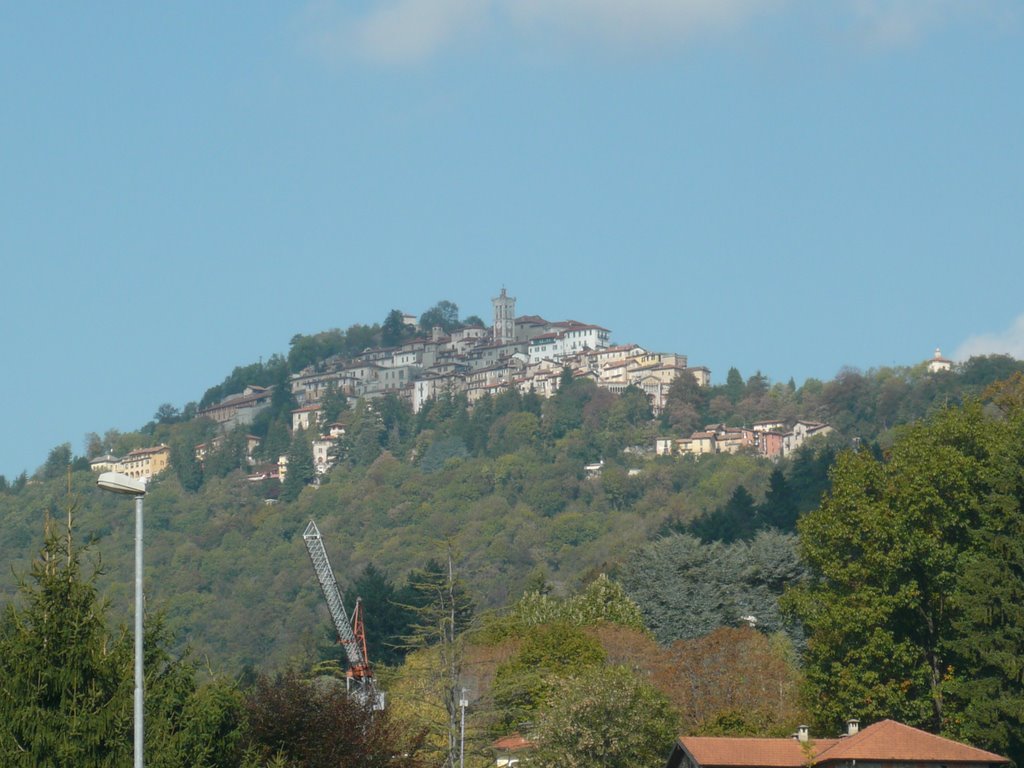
(1008, 342)
(898, 23)
(393, 33)
(409, 31)
(637, 22)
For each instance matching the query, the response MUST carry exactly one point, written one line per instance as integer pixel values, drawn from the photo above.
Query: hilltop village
(527, 353)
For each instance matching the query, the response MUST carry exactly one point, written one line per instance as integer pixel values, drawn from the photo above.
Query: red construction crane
(352, 636)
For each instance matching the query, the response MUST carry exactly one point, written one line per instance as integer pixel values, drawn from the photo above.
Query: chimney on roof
(802, 733)
(852, 726)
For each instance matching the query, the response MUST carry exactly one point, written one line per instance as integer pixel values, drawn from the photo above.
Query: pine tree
(443, 612)
(66, 681)
(67, 697)
(365, 435)
(301, 470)
(277, 440)
(779, 509)
(333, 403)
(393, 331)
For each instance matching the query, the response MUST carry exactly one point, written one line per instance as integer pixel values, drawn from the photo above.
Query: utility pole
(463, 703)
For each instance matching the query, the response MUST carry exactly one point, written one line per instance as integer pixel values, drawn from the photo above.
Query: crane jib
(324, 574)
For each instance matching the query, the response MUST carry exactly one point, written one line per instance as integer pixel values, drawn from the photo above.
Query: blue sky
(784, 185)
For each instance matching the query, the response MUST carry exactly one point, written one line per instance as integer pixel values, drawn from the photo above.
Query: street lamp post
(115, 482)
(463, 703)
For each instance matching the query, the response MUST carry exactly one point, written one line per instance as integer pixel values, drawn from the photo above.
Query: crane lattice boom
(356, 654)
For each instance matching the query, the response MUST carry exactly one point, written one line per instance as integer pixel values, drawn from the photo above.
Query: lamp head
(115, 482)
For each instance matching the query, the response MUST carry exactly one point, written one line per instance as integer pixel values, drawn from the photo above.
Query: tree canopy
(66, 680)
(913, 610)
(686, 588)
(444, 314)
(604, 716)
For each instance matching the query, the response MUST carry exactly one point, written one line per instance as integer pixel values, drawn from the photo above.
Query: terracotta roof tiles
(890, 741)
(512, 743)
(769, 753)
(886, 741)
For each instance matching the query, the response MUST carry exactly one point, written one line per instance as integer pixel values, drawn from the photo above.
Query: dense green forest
(700, 552)
(503, 481)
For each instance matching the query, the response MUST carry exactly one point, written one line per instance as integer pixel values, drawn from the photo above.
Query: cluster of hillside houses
(771, 439)
(526, 353)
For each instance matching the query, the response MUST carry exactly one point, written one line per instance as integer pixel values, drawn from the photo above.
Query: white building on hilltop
(939, 363)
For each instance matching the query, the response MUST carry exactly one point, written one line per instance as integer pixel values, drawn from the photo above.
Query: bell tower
(504, 318)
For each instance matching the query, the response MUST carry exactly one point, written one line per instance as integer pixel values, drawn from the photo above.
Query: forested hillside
(504, 482)
(680, 578)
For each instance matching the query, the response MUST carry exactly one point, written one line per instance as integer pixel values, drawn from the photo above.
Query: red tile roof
(889, 741)
(769, 753)
(883, 742)
(512, 743)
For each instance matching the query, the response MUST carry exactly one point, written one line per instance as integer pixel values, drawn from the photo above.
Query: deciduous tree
(735, 681)
(57, 462)
(605, 716)
(444, 314)
(913, 612)
(524, 684)
(314, 723)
